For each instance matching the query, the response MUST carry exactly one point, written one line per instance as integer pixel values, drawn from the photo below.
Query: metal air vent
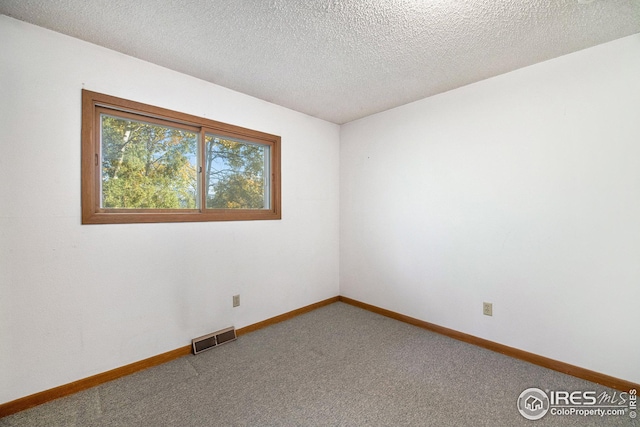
(209, 341)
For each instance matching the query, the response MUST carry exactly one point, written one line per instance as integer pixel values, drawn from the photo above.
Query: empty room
(319, 213)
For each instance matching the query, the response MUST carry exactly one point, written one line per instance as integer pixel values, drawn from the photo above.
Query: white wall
(522, 190)
(79, 300)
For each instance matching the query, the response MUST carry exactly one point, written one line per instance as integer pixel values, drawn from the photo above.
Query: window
(147, 164)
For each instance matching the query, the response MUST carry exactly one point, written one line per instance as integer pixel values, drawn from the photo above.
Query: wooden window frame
(92, 213)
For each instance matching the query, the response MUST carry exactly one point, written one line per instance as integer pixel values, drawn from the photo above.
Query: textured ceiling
(338, 59)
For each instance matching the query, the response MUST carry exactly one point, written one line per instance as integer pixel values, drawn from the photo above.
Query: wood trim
(94, 103)
(64, 390)
(86, 383)
(285, 316)
(556, 365)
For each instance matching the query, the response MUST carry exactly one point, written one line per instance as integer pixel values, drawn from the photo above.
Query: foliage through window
(146, 164)
(234, 173)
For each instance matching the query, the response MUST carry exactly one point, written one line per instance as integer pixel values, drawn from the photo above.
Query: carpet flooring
(335, 366)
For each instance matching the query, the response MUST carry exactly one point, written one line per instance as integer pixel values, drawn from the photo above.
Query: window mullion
(202, 179)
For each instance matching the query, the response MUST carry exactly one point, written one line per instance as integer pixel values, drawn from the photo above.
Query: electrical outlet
(487, 309)
(236, 300)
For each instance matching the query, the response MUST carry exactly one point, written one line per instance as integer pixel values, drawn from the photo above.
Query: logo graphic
(533, 403)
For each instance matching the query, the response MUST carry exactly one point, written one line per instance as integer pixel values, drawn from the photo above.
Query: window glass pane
(234, 173)
(146, 165)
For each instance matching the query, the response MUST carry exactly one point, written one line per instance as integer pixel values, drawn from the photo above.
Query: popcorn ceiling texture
(338, 60)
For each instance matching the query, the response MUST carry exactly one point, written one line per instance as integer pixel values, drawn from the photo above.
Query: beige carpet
(336, 366)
